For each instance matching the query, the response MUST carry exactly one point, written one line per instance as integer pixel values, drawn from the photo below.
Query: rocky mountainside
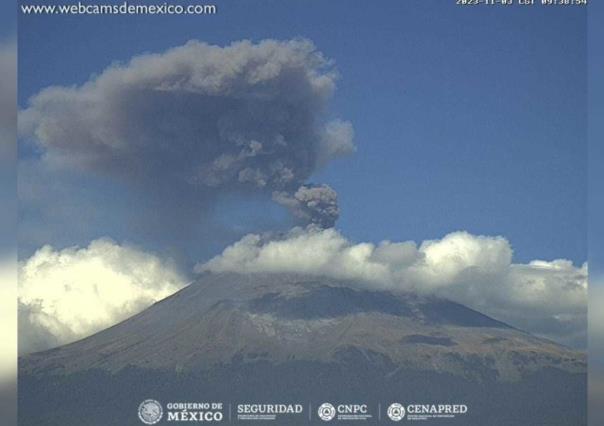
(268, 337)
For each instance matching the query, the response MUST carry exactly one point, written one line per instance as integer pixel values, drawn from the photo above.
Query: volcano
(289, 338)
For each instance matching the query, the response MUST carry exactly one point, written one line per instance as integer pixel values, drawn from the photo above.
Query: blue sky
(8, 20)
(465, 118)
(596, 148)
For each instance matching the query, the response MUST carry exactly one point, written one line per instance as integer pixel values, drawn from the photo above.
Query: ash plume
(312, 204)
(200, 120)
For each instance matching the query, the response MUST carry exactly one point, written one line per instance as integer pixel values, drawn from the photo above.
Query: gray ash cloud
(200, 120)
(314, 204)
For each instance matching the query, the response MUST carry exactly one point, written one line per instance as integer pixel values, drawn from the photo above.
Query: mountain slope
(290, 337)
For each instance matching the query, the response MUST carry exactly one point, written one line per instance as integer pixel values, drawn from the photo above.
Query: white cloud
(547, 298)
(65, 295)
(8, 319)
(71, 293)
(337, 140)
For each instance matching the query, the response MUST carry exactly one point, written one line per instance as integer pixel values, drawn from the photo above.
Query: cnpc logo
(326, 412)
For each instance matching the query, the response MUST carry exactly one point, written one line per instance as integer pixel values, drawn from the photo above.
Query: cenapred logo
(396, 412)
(326, 412)
(150, 412)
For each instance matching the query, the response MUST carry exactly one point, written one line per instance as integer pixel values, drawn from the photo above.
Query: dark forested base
(95, 397)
